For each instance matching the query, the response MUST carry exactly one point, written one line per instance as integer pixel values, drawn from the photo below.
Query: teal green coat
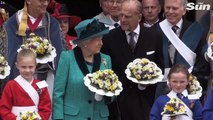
(72, 100)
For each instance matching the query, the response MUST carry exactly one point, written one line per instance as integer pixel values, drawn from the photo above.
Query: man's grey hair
(137, 4)
(185, 2)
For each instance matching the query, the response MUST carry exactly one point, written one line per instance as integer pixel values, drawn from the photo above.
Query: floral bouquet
(4, 67)
(174, 108)
(44, 50)
(29, 116)
(103, 82)
(143, 71)
(194, 88)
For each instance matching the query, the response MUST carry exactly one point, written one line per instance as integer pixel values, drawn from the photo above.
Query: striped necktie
(172, 49)
(175, 28)
(180, 95)
(132, 42)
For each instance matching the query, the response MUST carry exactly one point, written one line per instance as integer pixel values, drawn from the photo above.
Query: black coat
(134, 104)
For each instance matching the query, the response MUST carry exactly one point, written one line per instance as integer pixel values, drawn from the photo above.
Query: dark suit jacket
(201, 68)
(134, 104)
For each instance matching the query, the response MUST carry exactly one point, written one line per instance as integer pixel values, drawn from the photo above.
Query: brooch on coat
(104, 62)
(41, 84)
(39, 90)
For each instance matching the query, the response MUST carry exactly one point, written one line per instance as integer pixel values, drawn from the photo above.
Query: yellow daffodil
(29, 116)
(174, 107)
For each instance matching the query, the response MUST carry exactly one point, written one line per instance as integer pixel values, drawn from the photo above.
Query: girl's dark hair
(178, 68)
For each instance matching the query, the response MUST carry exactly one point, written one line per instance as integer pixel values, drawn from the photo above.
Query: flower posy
(29, 116)
(174, 107)
(194, 85)
(3, 65)
(143, 69)
(39, 45)
(106, 80)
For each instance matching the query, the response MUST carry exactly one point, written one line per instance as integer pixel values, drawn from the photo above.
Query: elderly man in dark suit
(183, 42)
(134, 104)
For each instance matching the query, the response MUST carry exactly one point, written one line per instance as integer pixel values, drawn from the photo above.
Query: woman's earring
(85, 46)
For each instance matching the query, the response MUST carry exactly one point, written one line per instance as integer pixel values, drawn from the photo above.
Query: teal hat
(88, 29)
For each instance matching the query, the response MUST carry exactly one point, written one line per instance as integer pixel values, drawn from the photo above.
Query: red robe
(14, 95)
(1, 21)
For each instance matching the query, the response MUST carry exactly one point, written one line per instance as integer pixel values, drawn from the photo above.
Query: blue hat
(88, 29)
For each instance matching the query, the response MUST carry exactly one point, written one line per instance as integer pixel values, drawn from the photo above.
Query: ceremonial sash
(28, 88)
(184, 51)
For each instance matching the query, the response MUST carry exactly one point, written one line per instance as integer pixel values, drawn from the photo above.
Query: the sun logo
(198, 6)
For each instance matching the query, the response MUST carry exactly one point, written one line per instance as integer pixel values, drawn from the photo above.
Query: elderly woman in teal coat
(72, 100)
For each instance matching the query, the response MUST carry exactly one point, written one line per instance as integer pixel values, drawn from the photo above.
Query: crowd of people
(124, 31)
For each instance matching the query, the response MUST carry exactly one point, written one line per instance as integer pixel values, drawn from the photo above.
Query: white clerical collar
(184, 93)
(32, 18)
(146, 24)
(113, 22)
